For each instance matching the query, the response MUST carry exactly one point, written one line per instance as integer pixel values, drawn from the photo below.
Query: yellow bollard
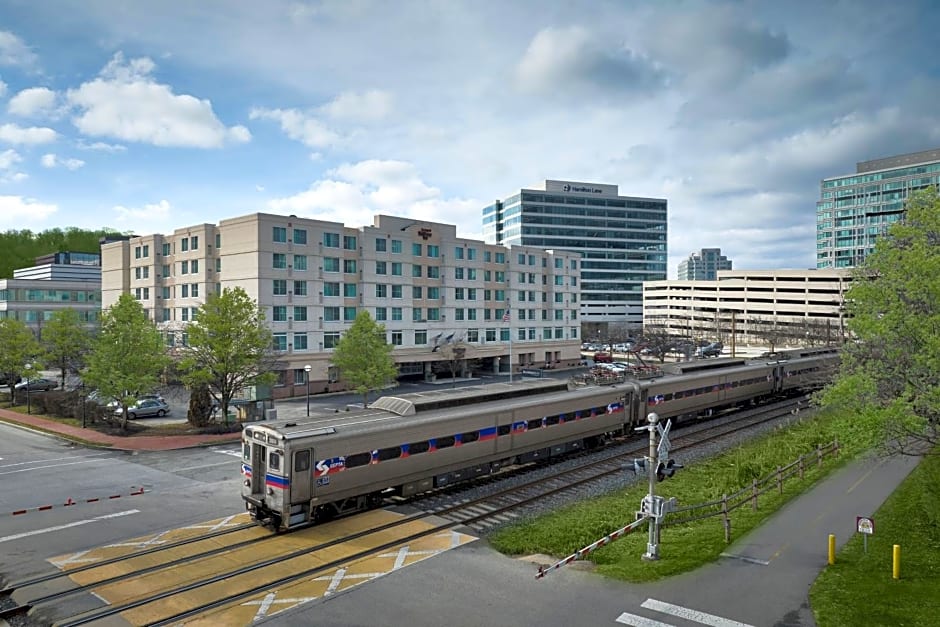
(896, 570)
(832, 549)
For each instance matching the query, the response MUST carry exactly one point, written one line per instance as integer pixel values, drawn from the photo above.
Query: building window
(381, 290)
(381, 267)
(458, 314)
(300, 236)
(137, 252)
(396, 314)
(280, 342)
(349, 266)
(218, 265)
(331, 240)
(184, 291)
(381, 314)
(194, 242)
(146, 252)
(471, 274)
(396, 246)
(458, 252)
(471, 293)
(415, 270)
(491, 335)
(194, 290)
(396, 268)
(434, 251)
(501, 258)
(300, 314)
(349, 242)
(330, 340)
(349, 314)
(458, 273)
(416, 314)
(194, 266)
(279, 262)
(331, 289)
(184, 244)
(434, 293)
(218, 240)
(184, 267)
(471, 314)
(396, 291)
(300, 262)
(434, 313)
(421, 338)
(349, 290)
(166, 250)
(416, 291)
(331, 264)
(300, 342)
(331, 314)
(166, 293)
(279, 287)
(434, 272)
(380, 245)
(278, 235)
(300, 288)
(416, 250)
(184, 314)
(458, 293)
(396, 338)
(279, 313)
(472, 254)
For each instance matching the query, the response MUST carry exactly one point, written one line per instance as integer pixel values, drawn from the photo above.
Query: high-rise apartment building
(703, 265)
(854, 210)
(312, 277)
(621, 240)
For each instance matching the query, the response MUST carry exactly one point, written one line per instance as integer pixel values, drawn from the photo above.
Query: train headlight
(270, 491)
(247, 483)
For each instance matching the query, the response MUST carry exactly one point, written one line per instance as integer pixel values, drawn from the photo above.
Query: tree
(453, 355)
(19, 351)
(128, 355)
(364, 358)
(230, 347)
(772, 332)
(889, 370)
(65, 340)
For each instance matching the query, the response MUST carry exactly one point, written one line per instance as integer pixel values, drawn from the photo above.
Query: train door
(778, 378)
(259, 468)
(300, 476)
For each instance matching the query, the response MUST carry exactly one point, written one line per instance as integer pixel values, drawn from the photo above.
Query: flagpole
(509, 316)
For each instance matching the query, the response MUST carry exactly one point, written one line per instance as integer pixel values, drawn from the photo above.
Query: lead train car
(303, 471)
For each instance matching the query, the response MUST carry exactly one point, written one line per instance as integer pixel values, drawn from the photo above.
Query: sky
(147, 116)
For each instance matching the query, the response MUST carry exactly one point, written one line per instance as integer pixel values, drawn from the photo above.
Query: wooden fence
(748, 495)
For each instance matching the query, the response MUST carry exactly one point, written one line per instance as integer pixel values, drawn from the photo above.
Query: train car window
(274, 461)
(359, 459)
(667, 397)
(418, 447)
(552, 420)
(301, 461)
(503, 429)
(386, 454)
(470, 436)
(272, 439)
(445, 442)
(535, 423)
(246, 451)
(248, 433)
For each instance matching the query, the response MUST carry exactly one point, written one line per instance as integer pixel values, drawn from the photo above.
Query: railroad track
(201, 595)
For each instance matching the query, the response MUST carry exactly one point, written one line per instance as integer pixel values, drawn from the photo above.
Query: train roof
(410, 404)
(701, 365)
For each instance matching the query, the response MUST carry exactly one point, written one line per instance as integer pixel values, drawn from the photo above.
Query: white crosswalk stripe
(676, 611)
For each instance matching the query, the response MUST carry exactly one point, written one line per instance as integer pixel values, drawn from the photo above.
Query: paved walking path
(129, 443)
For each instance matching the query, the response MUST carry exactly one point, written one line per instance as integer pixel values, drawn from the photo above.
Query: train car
(304, 471)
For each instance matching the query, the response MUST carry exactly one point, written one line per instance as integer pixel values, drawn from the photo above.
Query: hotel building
(312, 277)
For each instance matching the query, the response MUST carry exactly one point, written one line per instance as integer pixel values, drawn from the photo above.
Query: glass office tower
(621, 239)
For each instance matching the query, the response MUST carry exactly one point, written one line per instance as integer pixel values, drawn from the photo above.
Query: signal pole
(652, 544)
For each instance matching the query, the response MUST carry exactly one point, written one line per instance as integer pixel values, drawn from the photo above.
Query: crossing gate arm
(616, 535)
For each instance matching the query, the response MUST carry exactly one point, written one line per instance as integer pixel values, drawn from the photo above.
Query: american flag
(507, 316)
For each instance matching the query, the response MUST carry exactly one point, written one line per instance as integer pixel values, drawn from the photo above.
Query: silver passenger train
(311, 469)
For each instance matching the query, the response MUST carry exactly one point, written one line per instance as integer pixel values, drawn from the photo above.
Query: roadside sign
(866, 527)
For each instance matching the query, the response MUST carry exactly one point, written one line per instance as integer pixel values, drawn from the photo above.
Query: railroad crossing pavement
(763, 579)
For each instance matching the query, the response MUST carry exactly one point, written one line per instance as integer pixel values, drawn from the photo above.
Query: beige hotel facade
(428, 287)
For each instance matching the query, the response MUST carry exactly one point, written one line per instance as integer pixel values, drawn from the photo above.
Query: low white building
(741, 306)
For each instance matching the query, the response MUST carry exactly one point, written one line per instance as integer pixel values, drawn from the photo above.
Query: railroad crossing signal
(639, 465)
(666, 469)
(662, 450)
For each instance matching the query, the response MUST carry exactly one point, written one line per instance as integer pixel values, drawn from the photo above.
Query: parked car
(37, 385)
(712, 350)
(145, 408)
(603, 358)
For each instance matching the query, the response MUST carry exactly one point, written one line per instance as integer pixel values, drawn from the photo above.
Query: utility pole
(652, 544)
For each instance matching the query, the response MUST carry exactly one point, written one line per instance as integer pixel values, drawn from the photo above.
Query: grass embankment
(859, 589)
(685, 547)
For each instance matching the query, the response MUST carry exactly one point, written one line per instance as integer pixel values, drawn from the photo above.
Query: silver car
(146, 407)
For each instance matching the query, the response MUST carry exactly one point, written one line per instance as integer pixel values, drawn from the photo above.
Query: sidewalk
(92, 437)
(764, 577)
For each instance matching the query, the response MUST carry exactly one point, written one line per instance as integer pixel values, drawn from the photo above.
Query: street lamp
(307, 371)
(28, 408)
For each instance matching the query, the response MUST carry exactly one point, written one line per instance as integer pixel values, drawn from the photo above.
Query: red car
(603, 358)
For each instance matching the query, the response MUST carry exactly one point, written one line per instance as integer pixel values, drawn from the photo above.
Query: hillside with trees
(19, 249)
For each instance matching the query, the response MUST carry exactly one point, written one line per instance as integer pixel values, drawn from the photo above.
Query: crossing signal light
(639, 465)
(666, 469)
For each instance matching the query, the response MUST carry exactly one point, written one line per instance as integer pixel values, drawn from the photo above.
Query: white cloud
(17, 212)
(32, 101)
(14, 52)
(366, 106)
(578, 59)
(3, 89)
(8, 158)
(51, 161)
(355, 193)
(299, 126)
(125, 103)
(16, 134)
(101, 146)
(138, 217)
